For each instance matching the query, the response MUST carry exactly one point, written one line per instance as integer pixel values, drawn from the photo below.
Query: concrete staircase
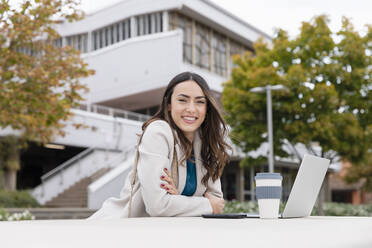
(77, 195)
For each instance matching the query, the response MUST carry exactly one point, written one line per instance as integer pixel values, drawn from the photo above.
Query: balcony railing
(94, 108)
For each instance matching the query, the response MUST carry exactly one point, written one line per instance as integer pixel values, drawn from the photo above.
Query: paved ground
(327, 232)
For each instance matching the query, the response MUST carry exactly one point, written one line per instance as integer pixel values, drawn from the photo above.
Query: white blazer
(155, 154)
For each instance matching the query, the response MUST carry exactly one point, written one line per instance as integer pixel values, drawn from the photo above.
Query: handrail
(79, 156)
(68, 163)
(99, 109)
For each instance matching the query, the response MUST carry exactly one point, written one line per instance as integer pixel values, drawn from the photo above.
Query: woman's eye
(201, 102)
(182, 100)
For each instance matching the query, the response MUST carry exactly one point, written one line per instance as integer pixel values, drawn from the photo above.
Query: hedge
(330, 208)
(17, 199)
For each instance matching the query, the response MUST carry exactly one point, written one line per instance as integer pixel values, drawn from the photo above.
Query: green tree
(328, 102)
(39, 80)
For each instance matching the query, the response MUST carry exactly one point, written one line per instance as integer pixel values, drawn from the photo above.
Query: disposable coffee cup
(268, 194)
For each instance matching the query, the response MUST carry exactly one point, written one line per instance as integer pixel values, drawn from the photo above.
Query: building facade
(136, 47)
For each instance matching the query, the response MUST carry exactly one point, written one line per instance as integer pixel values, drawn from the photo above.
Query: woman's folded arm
(155, 147)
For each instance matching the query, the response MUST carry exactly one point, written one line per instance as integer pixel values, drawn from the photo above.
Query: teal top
(190, 185)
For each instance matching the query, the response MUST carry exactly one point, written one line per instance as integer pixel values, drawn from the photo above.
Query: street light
(269, 111)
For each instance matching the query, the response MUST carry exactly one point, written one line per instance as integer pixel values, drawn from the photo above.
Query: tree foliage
(329, 96)
(39, 81)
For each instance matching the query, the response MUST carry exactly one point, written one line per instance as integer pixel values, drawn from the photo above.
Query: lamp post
(269, 113)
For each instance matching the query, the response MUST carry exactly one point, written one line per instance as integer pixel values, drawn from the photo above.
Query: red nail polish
(165, 169)
(162, 177)
(162, 185)
(167, 188)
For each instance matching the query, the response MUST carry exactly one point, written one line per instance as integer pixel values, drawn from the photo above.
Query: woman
(181, 156)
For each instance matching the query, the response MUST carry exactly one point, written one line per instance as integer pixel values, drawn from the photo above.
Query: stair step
(77, 194)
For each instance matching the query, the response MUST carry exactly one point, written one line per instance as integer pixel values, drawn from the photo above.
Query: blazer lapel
(182, 169)
(200, 171)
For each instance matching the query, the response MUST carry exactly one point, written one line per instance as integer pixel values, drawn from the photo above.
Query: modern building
(136, 47)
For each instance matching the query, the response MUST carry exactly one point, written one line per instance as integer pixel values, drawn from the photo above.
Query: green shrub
(17, 199)
(330, 208)
(344, 209)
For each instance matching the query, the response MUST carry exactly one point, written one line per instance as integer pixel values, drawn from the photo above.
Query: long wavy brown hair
(213, 130)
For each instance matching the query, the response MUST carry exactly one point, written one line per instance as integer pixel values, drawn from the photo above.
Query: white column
(133, 27)
(64, 41)
(165, 21)
(270, 129)
(193, 49)
(211, 52)
(89, 42)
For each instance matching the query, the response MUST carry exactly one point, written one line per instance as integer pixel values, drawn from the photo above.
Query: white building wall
(100, 131)
(226, 19)
(134, 65)
(115, 13)
(206, 9)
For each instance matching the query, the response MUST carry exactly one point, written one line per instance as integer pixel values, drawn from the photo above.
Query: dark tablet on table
(225, 216)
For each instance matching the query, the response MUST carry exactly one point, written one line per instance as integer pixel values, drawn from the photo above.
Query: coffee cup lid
(268, 176)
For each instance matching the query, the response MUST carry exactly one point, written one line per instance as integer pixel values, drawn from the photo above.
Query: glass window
(219, 54)
(202, 46)
(207, 42)
(126, 29)
(158, 22)
(78, 42)
(185, 24)
(235, 49)
(58, 42)
(149, 23)
(105, 40)
(111, 34)
(101, 33)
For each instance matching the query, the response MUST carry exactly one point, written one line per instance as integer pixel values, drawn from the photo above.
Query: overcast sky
(286, 14)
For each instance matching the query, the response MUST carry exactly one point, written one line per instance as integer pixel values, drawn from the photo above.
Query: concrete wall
(134, 65)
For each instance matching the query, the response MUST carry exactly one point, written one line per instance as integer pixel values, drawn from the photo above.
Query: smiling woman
(180, 157)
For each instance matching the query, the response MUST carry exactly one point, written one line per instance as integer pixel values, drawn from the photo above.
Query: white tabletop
(189, 232)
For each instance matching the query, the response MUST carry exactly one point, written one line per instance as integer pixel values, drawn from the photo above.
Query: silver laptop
(306, 187)
(304, 192)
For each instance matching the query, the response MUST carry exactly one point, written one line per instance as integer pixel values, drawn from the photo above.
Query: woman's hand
(217, 203)
(169, 185)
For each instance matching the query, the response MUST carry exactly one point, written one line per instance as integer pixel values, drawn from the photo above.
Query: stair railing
(60, 169)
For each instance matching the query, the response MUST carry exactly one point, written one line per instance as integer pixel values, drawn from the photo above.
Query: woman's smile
(189, 119)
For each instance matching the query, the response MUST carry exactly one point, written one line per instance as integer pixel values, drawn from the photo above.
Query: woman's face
(188, 107)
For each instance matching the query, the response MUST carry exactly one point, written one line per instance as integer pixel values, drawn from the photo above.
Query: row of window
(209, 47)
(112, 34)
(106, 36)
(79, 42)
(149, 24)
(202, 46)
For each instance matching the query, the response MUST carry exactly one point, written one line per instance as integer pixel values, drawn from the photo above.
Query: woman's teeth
(190, 118)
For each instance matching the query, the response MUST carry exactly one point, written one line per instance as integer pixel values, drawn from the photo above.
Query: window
(184, 23)
(149, 23)
(235, 49)
(208, 44)
(58, 42)
(79, 42)
(219, 54)
(111, 34)
(125, 30)
(202, 46)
